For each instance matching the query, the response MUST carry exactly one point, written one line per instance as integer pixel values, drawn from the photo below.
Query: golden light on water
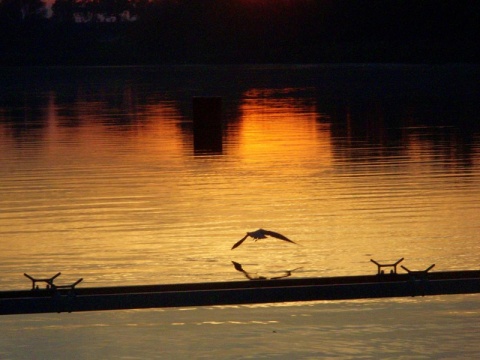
(103, 184)
(111, 190)
(277, 129)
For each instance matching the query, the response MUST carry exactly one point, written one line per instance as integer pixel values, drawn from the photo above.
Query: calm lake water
(100, 179)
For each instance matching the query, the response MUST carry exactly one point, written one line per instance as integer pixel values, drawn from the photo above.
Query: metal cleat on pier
(69, 287)
(422, 274)
(418, 280)
(49, 281)
(393, 266)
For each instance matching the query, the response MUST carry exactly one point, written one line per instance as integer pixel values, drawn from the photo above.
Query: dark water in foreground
(100, 179)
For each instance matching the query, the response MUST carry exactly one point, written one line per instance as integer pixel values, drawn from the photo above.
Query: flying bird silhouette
(239, 267)
(261, 234)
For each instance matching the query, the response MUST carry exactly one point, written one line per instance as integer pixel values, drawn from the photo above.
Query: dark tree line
(89, 32)
(64, 10)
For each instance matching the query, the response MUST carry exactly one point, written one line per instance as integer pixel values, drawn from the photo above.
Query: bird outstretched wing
(238, 266)
(287, 274)
(239, 242)
(277, 235)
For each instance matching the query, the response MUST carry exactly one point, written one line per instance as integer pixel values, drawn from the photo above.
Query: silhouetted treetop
(220, 31)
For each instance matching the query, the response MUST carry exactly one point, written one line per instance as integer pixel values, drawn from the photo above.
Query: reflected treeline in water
(388, 108)
(384, 129)
(384, 107)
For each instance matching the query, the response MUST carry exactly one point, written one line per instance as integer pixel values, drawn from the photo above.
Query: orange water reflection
(108, 187)
(278, 129)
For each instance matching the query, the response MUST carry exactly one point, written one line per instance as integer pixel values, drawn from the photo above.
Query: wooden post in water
(207, 125)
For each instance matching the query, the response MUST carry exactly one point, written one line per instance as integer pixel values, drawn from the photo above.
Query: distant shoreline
(234, 32)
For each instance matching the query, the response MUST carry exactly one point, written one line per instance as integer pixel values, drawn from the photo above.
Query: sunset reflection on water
(278, 128)
(106, 186)
(100, 180)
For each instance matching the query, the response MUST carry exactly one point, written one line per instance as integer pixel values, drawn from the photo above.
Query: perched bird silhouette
(248, 275)
(261, 234)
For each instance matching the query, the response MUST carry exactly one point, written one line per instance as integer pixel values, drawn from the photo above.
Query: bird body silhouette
(261, 234)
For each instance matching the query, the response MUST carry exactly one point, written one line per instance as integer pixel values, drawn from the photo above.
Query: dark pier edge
(239, 292)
